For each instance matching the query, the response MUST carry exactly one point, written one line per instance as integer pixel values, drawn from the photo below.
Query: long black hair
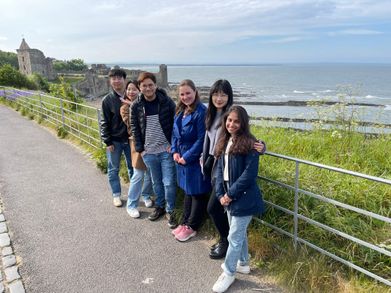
(243, 140)
(221, 85)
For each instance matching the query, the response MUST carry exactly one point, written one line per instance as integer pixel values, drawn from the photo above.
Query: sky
(201, 32)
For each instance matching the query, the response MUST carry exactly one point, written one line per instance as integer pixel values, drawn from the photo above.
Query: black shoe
(156, 214)
(220, 251)
(214, 246)
(172, 223)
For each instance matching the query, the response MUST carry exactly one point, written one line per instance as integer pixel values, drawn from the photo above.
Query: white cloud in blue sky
(201, 31)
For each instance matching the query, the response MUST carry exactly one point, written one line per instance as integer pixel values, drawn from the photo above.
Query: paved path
(69, 237)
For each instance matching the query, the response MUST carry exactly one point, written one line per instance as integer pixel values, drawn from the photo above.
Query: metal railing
(78, 120)
(297, 216)
(83, 122)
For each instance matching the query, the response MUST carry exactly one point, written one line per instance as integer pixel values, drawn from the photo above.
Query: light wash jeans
(238, 245)
(162, 169)
(113, 162)
(141, 183)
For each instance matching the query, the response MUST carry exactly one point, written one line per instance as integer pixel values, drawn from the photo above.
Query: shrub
(61, 131)
(9, 76)
(101, 159)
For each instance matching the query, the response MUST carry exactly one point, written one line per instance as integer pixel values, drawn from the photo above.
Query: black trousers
(194, 210)
(218, 215)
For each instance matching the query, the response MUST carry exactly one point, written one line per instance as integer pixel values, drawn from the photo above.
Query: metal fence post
(40, 105)
(62, 113)
(99, 119)
(296, 207)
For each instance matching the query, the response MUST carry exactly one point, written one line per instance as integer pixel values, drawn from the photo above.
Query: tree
(9, 76)
(9, 58)
(71, 65)
(40, 81)
(77, 65)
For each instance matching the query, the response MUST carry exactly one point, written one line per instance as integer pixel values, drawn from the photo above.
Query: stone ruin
(34, 61)
(96, 84)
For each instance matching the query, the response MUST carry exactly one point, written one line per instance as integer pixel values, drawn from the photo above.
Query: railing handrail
(336, 169)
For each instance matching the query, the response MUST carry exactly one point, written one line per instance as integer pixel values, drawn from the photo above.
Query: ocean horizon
(367, 83)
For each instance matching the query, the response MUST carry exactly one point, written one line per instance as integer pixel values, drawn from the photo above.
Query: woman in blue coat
(186, 146)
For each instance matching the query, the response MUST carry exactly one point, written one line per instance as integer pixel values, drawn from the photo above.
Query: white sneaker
(242, 269)
(148, 203)
(223, 282)
(239, 268)
(117, 201)
(134, 213)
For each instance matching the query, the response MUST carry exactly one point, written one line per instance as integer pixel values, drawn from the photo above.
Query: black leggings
(219, 217)
(194, 210)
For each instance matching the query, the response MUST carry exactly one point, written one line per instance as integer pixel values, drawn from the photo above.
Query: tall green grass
(304, 269)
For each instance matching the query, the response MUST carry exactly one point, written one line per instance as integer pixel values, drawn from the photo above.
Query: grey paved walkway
(67, 235)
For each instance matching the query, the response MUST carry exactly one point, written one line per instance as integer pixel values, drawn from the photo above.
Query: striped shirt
(155, 140)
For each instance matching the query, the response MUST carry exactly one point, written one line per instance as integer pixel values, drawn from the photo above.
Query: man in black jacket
(152, 120)
(114, 133)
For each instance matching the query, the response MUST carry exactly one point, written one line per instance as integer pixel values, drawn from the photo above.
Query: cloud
(355, 32)
(284, 40)
(92, 29)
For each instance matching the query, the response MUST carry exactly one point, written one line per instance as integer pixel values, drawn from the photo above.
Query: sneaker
(185, 234)
(177, 230)
(240, 268)
(117, 201)
(134, 213)
(223, 282)
(156, 214)
(148, 203)
(172, 223)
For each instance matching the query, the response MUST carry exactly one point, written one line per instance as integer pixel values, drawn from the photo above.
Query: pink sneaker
(185, 234)
(177, 230)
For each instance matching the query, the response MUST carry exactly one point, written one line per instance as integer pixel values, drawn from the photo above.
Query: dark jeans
(219, 217)
(194, 210)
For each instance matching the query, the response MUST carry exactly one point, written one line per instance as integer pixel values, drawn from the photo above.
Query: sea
(368, 86)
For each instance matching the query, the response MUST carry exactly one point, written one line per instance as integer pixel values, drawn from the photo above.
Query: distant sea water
(365, 83)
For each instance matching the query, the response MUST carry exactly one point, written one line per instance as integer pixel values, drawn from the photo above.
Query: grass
(305, 270)
(301, 270)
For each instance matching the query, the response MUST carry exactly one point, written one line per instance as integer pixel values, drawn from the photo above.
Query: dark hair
(243, 141)
(144, 75)
(117, 72)
(134, 82)
(180, 107)
(221, 85)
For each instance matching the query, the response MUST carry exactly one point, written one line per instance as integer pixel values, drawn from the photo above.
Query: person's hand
(227, 199)
(126, 101)
(182, 161)
(176, 157)
(110, 148)
(168, 149)
(259, 146)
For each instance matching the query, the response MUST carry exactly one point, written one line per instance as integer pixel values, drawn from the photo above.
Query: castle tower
(34, 61)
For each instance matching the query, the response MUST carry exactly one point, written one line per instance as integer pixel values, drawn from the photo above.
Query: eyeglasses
(145, 86)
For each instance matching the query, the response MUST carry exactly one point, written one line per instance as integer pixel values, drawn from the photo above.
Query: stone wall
(95, 85)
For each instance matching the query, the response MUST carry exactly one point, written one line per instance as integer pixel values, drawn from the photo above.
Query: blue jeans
(162, 169)
(113, 162)
(238, 246)
(137, 187)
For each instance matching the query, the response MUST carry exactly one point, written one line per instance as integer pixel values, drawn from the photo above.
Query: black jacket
(138, 122)
(112, 127)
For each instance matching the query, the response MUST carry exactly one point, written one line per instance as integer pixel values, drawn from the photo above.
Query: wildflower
(336, 134)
